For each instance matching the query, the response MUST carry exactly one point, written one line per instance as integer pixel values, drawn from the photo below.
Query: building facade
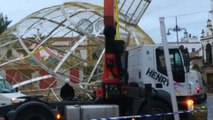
(207, 50)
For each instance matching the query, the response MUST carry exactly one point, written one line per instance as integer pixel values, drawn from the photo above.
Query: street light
(177, 29)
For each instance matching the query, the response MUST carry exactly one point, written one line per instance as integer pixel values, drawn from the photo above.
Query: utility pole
(169, 68)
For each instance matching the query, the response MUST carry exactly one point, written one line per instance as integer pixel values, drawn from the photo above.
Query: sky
(191, 14)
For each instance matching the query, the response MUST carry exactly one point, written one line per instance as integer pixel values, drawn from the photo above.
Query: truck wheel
(160, 107)
(34, 113)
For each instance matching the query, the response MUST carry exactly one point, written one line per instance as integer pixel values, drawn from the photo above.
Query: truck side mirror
(186, 62)
(186, 58)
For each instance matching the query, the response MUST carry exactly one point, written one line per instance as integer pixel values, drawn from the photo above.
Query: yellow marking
(117, 37)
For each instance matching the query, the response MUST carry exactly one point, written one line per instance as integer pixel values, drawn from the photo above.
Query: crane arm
(112, 78)
(109, 13)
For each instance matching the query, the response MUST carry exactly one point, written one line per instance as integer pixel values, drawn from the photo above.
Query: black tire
(35, 113)
(159, 107)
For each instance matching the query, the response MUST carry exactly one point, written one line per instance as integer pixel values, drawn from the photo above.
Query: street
(209, 104)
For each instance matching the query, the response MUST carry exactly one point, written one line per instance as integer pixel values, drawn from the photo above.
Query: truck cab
(146, 65)
(8, 95)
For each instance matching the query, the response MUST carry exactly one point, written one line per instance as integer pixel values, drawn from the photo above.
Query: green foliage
(97, 74)
(195, 67)
(4, 22)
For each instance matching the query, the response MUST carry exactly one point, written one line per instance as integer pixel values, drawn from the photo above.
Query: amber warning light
(190, 104)
(58, 116)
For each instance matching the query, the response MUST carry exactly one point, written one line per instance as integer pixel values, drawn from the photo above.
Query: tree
(4, 22)
(195, 67)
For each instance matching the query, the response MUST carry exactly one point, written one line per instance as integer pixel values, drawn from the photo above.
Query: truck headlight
(15, 100)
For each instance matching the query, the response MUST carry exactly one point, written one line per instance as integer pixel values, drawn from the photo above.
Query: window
(208, 54)
(176, 64)
(193, 49)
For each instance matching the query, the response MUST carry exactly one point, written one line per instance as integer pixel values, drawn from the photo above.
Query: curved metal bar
(69, 53)
(96, 65)
(47, 69)
(5, 44)
(32, 81)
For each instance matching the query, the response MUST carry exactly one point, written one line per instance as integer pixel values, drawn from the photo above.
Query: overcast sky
(192, 14)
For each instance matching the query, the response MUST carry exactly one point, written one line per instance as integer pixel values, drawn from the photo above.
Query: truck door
(176, 64)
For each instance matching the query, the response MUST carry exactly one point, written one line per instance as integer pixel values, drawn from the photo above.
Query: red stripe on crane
(109, 13)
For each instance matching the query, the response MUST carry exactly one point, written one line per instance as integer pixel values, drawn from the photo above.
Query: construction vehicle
(8, 95)
(133, 84)
(146, 65)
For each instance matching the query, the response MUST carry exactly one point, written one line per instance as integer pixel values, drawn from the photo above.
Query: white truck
(121, 92)
(146, 65)
(8, 95)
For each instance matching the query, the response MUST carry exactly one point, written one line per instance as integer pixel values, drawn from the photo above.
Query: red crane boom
(111, 83)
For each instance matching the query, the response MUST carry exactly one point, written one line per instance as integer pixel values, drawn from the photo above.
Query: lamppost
(177, 29)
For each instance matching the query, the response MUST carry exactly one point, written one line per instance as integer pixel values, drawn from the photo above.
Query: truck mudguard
(162, 95)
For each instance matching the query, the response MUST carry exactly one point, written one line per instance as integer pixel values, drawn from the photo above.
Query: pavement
(209, 104)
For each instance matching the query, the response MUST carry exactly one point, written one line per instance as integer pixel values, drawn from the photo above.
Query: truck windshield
(176, 64)
(5, 87)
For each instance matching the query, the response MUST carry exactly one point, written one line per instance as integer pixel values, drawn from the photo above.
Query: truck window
(5, 87)
(176, 64)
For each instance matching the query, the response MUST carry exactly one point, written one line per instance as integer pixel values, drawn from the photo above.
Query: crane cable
(117, 37)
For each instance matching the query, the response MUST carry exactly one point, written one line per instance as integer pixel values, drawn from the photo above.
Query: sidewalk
(209, 94)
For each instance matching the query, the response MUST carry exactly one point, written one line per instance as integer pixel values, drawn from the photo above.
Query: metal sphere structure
(62, 41)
